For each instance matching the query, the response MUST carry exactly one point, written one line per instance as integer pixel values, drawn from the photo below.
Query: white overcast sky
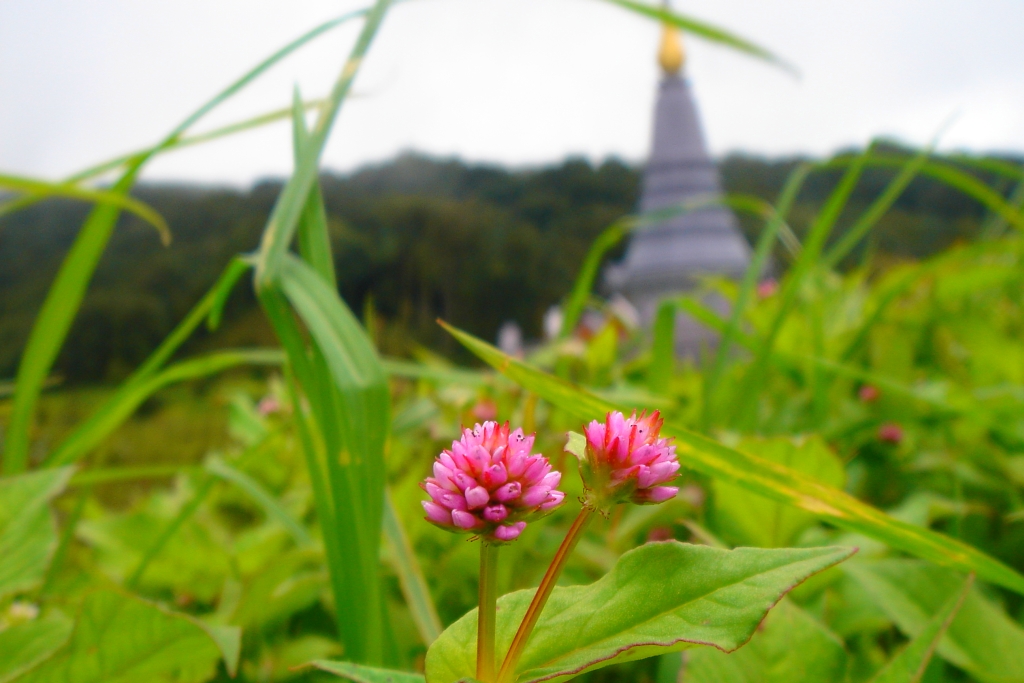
(509, 81)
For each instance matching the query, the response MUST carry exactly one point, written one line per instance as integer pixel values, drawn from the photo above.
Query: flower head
(488, 483)
(626, 460)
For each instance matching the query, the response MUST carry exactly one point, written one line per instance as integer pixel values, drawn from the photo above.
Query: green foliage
(981, 638)
(790, 645)
(366, 674)
(24, 645)
(661, 597)
(117, 639)
(27, 534)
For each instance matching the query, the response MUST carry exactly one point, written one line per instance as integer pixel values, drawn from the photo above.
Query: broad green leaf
(121, 639)
(366, 674)
(28, 536)
(659, 598)
(789, 646)
(909, 665)
(981, 639)
(29, 643)
(758, 475)
(759, 521)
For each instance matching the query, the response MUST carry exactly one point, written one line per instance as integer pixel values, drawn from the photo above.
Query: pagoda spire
(674, 255)
(671, 55)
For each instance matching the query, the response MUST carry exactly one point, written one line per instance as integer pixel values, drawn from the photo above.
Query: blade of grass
(704, 30)
(878, 208)
(66, 293)
(663, 352)
(284, 218)
(771, 480)
(414, 586)
(262, 497)
(775, 219)
(47, 190)
(109, 475)
(809, 257)
(131, 395)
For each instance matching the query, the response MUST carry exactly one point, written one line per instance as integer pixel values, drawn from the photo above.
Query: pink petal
(436, 513)
(463, 481)
(494, 476)
(534, 496)
(509, 491)
(516, 463)
(477, 497)
(555, 498)
(443, 475)
(551, 479)
(509, 532)
(538, 467)
(495, 513)
(658, 494)
(463, 520)
(452, 501)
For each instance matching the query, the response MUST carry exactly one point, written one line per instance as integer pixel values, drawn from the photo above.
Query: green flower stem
(486, 613)
(547, 584)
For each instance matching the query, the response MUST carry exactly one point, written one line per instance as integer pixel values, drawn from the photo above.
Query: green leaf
(909, 665)
(27, 644)
(28, 536)
(789, 646)
(758, 475)
(982, 639)
(410, 575)
(263, 498)
(43, 189)
(659, 598)
(366, 674)
(65, 296)
(576, 444)
(759, 521)
(121, 639)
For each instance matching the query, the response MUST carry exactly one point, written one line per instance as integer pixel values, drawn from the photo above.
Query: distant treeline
(474, 244)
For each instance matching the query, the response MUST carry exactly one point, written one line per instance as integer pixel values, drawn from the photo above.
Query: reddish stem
(540, 598)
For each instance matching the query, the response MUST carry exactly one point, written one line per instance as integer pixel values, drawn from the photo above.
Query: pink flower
(869, 393)
(489, 484)
(767, 289)
(626, 460)
(890, 432)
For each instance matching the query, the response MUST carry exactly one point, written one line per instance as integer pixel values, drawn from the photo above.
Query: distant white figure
(510, 338)
(626, 312)
(553, 320)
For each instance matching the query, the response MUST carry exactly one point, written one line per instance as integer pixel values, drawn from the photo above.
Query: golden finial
(671, 55)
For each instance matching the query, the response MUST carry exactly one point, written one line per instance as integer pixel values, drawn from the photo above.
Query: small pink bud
(509, 532)
(488, 483)
(767, 288)
(890, 433)
(869, 393)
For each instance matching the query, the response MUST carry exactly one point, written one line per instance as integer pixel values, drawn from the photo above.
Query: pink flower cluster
(489, 484)
(627, 460)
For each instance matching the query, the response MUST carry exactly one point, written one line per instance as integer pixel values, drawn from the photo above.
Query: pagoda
(671, 256)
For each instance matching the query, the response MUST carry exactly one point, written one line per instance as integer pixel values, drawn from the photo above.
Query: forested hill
(475, 244)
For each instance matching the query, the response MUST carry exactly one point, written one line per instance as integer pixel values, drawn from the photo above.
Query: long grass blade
(284, 218)
(704, 30)
(775, 220)
(819, 232)
(66, 294)
(414, 586)
(46, 190)
(113, 413)
(771, 480)
(262, 497)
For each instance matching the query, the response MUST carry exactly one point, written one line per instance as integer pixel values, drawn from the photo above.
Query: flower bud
(624, 459)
